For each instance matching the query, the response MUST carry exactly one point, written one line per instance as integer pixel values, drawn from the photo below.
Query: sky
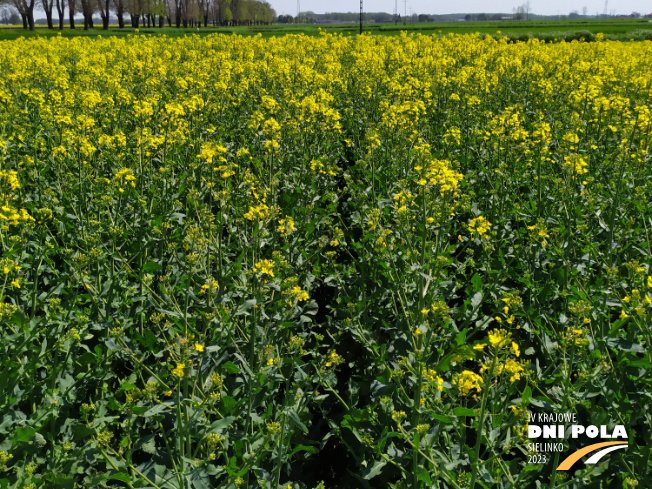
(543, 7)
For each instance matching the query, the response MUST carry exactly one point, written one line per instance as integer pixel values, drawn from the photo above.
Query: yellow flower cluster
(9, 214)
(576, 164)
(438, 173)
(296, 294)
(333, 359)
(210, 286)
(468, 382)
(264, 267)
(257, 213)
(511, 366)
(178, 370)
(431, 376)
(480, 225)
(8, 181)
(5, 458)
(539, 233)
(124, 176)
(324, 168)
(286, 226)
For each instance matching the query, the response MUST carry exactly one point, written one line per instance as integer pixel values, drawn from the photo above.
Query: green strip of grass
(550, 31)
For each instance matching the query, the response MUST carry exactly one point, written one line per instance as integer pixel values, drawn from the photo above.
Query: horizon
(463, 7)
(474, 7)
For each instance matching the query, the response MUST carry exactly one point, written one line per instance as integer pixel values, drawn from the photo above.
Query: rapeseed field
(324, 262)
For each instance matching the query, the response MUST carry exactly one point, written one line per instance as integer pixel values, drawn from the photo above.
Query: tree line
(149, 13)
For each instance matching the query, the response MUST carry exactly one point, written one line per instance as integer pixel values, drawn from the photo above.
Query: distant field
(615, 28)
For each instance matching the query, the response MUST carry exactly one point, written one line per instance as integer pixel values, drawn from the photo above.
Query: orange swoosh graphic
(574, 457)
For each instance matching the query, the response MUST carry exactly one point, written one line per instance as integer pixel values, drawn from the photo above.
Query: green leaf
(147, 444)
(441, 418)
(126, 386)
(222, 423)
(476, 300)
(625, 345)
(230, 368)
(158, 409)
(462, 411)
(81, 431)
(243, 309)
(106, 286)
(120, 477)
(23, 434)
(374, 470)
(228, 403)
(294, 417)
(476, 281)
(424, 476)
(460, 339)
(152, 267)
(304, 448)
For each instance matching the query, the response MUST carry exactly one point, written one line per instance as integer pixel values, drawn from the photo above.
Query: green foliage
(321, 262)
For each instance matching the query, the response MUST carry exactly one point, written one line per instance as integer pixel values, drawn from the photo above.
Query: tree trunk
(206, 20)
(90, 20)
(72, 18)
(105, 22)
(121, 20)
(24, 17)
(61, 17)
(47, 8)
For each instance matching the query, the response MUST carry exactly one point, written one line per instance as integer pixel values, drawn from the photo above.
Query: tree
(136, 9)
(48, 5)
(103, 8)
(88, 8)
(26, 10)
(72, 4)
(120, 12)
(202, 7)
(61, 11)
(222, 7)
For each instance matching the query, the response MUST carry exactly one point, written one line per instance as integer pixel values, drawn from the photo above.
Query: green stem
(416, 411)
(555, 462)
(281, 444)
(478, 440)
